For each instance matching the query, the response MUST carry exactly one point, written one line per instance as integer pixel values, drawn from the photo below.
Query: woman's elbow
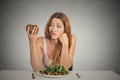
(36, 68)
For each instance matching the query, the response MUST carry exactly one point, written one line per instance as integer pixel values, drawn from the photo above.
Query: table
(85, 75)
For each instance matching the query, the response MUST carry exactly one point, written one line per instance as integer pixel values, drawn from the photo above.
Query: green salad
(54, 70)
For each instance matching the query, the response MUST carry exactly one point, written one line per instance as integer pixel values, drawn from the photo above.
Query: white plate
(53, 76)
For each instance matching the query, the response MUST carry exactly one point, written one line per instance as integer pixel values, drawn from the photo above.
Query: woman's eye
(51, 25)
(58, 26)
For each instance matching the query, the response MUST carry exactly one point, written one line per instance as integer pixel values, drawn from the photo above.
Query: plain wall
(96, 24)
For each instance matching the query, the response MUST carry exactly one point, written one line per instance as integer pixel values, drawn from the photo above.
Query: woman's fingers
(35, 30)
(28, 32)
(32, 30)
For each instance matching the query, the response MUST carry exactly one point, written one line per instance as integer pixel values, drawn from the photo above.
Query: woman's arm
(67, 54)
(35, 57)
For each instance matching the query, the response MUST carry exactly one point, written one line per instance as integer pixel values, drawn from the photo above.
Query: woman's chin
(54, 38)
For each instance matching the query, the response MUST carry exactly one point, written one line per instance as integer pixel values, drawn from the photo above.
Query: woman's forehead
(57, 20)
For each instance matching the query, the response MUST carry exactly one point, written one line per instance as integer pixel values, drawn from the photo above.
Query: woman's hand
(64, 39)
(32, 31)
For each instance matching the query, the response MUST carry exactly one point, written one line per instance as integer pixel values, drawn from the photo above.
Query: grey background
(96, 24)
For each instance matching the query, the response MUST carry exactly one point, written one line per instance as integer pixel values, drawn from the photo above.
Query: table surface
(85, 75)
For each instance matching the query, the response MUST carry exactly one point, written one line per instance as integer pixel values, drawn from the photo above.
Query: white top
(46, 60)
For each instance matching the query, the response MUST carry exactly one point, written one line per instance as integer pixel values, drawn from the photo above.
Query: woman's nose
(53, 29)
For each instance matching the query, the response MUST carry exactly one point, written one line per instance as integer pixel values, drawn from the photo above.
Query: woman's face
(56, 28)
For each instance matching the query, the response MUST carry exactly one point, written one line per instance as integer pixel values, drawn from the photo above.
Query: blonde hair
(67, 30)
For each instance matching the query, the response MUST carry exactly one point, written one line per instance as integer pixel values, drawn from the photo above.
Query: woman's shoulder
(40, 40)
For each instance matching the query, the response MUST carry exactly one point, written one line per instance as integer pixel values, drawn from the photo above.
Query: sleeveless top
(46, 60)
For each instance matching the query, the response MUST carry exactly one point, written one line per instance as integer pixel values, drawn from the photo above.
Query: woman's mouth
(53, 34)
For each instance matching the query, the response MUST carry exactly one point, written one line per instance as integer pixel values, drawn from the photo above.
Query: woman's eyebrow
(58, 23)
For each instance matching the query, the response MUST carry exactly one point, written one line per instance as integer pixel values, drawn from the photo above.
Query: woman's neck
(53, 41)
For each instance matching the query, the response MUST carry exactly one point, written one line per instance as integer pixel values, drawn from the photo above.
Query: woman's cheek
(60, 34)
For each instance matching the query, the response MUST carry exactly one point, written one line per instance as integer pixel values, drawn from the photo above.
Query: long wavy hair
(67, 30)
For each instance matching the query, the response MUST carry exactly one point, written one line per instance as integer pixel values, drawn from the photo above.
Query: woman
(57, 47)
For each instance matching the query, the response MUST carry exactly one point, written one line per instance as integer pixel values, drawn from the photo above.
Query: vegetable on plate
(54, 70)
